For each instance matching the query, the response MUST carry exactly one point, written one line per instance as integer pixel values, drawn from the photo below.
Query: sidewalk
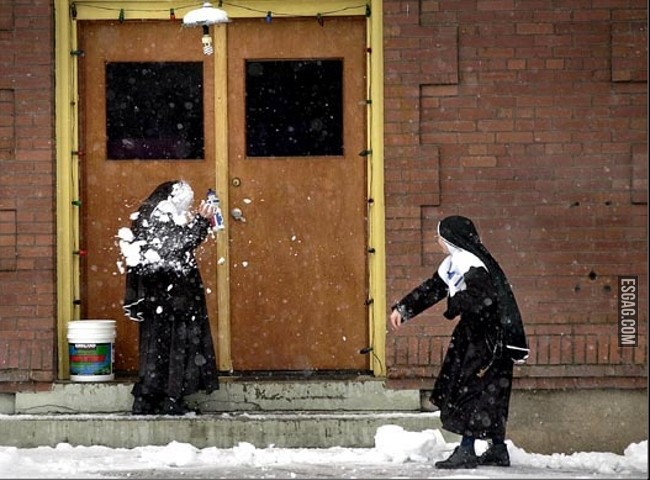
(397, 453)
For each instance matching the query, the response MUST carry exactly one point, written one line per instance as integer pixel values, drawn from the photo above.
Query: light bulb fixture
(206, 40)
(204, 17)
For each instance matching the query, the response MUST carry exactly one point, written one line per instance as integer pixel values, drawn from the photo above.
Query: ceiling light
(204, 17)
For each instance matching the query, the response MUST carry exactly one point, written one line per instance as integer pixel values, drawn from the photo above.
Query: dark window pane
(154, 110)
(294, 108)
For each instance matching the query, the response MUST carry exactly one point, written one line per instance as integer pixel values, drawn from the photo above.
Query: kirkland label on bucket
(90, 359)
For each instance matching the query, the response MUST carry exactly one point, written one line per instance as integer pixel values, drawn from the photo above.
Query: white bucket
(92, 351)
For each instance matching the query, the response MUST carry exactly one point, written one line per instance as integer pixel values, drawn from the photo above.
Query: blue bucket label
(91, 358)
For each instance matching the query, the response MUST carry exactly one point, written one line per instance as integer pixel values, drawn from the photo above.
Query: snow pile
(634, 458)
(395, 448)
(398, 445)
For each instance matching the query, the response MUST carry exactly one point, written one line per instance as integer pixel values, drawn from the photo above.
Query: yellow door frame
(68, 12)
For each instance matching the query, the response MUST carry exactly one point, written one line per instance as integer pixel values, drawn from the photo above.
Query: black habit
(473, 388)
(165, 293)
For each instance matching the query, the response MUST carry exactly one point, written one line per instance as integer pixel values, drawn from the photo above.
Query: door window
(154, 110)
(294, 108)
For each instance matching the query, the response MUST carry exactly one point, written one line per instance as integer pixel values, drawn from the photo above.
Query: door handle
(237, 215)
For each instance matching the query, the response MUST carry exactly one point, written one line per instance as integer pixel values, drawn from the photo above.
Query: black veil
(461, 233)
(135, 295)
(161, 192)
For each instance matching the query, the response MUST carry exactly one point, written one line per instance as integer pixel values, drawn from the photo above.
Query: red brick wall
(27, 192)
(530, 117)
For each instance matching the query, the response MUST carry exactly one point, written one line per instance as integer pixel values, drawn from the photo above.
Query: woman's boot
(461, 458)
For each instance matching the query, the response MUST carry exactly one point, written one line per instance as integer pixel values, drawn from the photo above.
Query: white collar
(453, 268)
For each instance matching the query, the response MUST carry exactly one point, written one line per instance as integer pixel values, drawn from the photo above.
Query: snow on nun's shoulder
(130, 249)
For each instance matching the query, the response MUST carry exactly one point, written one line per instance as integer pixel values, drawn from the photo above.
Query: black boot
(463, 457)
(496, 456)
(177, 406)
(174, 406)
(146, 405)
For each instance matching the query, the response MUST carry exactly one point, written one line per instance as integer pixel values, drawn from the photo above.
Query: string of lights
(122, 13)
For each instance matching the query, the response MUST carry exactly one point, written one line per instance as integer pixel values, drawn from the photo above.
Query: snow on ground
(397, 454)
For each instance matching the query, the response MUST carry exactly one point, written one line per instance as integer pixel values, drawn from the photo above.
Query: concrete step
(307, 413)
(224, 430)
(234, 395)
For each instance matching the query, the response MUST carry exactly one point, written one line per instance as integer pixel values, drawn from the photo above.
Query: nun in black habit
(473, 388)
(165, 294)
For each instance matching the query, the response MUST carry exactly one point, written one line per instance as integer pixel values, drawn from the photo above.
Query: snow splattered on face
(176, 206)
(182, 197)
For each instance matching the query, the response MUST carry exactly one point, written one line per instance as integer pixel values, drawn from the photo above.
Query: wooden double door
(293, 255)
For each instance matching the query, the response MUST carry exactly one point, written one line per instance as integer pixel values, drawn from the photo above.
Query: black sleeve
(479, 294)
(427, 294)
(174, 241)
(198, 230)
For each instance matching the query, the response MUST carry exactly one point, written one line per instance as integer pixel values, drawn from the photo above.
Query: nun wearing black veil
(473, 388)
(165, 294)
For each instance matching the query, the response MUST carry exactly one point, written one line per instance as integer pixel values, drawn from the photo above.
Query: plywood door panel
(298, 278)
(112, 189)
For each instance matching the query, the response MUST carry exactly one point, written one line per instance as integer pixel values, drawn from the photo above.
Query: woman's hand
(395, 320)
(205, 209)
